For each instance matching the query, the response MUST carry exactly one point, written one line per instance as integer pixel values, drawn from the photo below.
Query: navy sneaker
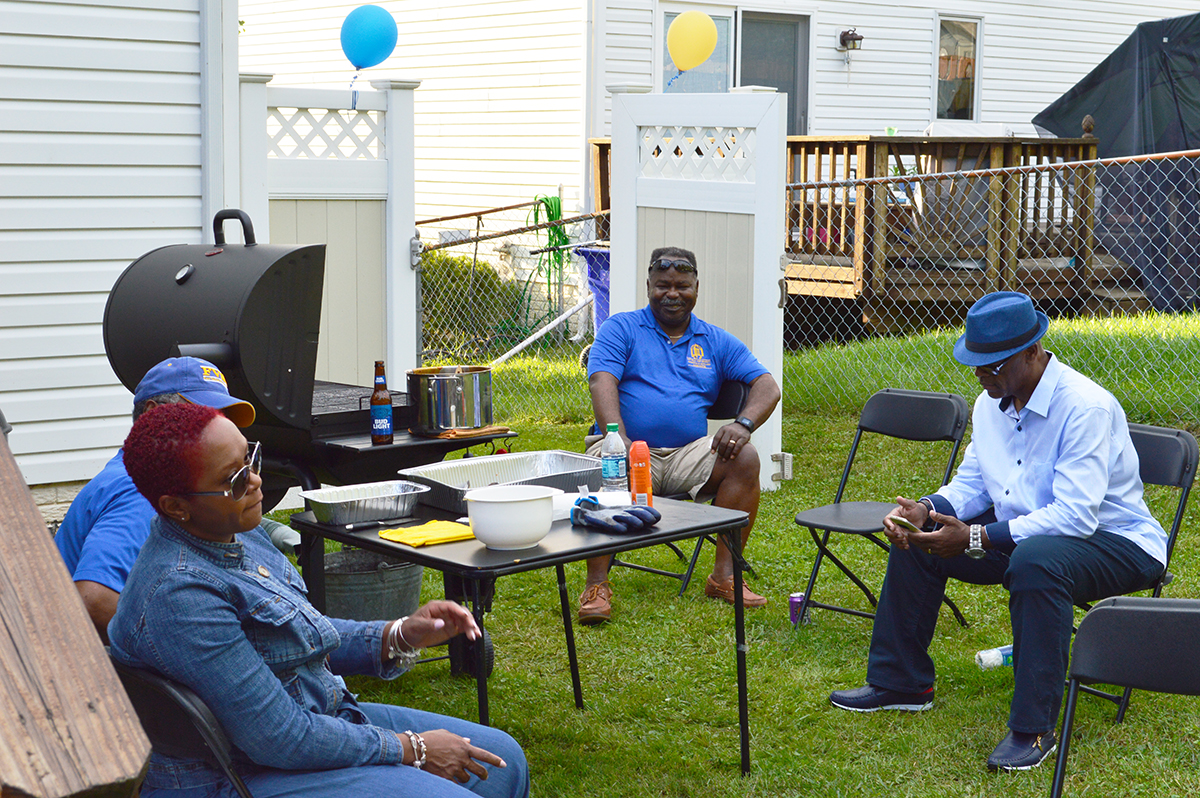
(869, 699)
(1020, 751)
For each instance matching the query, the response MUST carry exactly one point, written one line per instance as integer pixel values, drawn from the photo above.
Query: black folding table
(478, 568)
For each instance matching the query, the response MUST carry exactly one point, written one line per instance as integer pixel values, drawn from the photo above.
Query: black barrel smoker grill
(254, 310)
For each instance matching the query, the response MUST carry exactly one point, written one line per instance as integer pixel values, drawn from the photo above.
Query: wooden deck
(876, 220)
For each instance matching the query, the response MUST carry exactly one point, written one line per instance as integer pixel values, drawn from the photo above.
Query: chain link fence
(883, 269)
(509, 287)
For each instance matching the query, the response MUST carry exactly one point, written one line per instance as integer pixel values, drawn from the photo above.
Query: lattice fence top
(698, 153)
(325, 133)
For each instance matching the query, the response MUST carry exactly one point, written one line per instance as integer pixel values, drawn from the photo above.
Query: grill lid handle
(232, 213)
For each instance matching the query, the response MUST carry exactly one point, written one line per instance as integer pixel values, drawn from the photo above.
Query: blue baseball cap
(998, 326)
(198, 381)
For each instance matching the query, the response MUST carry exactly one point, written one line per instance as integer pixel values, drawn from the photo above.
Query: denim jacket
(232, 622)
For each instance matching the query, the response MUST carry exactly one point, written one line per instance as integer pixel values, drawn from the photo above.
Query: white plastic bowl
(508, 517)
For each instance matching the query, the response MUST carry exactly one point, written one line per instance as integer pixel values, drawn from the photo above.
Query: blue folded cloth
(614, 520)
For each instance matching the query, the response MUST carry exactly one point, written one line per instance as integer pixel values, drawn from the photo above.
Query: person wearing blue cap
(1047, 502)
(108, 521)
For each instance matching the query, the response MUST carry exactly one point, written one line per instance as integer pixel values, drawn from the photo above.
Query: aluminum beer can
(796, 607)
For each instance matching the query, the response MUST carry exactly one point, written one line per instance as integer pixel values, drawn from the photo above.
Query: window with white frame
(753, 48)
(958, 46)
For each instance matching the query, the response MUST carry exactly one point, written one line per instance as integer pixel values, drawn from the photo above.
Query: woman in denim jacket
(212, 603)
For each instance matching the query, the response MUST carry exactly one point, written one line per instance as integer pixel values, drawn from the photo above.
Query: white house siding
(1032, 52)
(100, 153)
(499, 114)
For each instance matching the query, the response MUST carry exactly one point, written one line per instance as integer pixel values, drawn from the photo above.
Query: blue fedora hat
(998, 326)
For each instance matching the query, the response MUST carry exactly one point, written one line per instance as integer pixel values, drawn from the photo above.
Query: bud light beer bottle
(381, 409)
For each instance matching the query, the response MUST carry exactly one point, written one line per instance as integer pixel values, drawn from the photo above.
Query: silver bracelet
(418, 747)
(394, 639)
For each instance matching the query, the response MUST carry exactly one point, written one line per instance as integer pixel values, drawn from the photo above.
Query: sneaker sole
(897, 707)
(1012, 768)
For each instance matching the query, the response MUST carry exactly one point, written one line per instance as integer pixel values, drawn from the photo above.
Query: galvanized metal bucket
(365, 586)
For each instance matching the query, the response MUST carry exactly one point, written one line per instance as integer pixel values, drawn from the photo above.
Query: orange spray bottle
(639, 474)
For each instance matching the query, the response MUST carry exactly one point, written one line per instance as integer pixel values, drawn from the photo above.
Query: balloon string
(353, 93)
(672, 80)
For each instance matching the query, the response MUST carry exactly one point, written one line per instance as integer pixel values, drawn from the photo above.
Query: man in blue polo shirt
(655, 372)
(108, 521)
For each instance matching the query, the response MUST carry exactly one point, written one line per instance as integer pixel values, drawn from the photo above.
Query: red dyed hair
(162, 453)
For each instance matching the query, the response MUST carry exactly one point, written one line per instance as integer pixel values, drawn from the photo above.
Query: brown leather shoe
(724, 590)
(595, 605)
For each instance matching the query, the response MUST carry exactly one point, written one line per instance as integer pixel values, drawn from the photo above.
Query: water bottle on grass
(613, 475)
(995, 658)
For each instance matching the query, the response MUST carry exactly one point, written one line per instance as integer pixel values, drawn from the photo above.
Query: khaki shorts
(685, 469)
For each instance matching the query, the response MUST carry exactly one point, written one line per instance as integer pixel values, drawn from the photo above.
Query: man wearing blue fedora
(1047, 502)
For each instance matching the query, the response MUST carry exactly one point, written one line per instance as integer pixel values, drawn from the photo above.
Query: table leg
(480, 660)
(312, 568)
(733, 540)
(570, 630)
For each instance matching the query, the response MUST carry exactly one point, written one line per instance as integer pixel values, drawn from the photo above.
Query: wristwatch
(745, 422)
(975, 542)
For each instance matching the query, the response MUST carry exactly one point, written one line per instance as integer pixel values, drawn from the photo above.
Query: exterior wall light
(849, 40)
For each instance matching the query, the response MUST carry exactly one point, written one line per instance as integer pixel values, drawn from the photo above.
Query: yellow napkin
(428, 533)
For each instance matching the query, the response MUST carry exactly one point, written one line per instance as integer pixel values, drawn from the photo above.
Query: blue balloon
(368, 36)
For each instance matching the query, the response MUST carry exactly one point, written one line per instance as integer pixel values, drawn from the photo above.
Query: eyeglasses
(240, 481)
(662, 264)
(994, 370)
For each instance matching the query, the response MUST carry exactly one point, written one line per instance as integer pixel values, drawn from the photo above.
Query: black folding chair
(1136, 641)
(1166, 457)
(177, 722)
(728, 404)
(910, 415)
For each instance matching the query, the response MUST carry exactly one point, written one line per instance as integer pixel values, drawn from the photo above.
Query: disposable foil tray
(449, 481)
(372, 501)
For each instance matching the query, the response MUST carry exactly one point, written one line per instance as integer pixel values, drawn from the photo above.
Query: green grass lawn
(660, 683)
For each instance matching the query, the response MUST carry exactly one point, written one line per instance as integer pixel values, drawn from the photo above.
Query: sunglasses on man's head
(662, 264)
(240, 481)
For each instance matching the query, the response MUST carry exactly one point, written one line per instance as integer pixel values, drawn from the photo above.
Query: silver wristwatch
(975, 543)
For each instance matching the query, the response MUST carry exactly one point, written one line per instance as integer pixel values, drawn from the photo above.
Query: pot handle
(232, 213)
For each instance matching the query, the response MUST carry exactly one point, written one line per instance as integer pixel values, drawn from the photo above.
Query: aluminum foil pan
(450, 480)
(372, 501)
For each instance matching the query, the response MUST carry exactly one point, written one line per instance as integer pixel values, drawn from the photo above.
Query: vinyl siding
(100, 156)
(1032, 52)
(499, 114)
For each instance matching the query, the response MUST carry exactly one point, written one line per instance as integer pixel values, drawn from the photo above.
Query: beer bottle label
(381, 419)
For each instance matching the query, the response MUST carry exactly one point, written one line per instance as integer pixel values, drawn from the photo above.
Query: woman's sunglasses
(239, 482)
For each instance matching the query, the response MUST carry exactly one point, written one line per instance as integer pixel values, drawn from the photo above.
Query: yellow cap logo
(211, 374)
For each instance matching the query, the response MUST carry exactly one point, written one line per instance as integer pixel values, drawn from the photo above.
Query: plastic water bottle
(994, 658)
(613, 475)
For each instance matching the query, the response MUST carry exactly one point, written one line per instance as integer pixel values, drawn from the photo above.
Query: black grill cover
(253, 310)
(1145, 97)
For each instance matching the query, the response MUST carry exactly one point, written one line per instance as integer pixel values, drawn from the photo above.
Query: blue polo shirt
(666, 389)
(105, 528)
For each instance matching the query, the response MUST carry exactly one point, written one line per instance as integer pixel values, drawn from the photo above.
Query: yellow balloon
(691, 39)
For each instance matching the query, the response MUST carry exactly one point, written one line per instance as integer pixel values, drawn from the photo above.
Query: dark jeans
(1045, 576)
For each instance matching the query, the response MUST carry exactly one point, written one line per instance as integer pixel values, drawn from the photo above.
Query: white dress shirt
(1063, 465)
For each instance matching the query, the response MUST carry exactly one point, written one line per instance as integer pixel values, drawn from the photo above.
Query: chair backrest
(1144, 643)
(1167, 457)
(177, 722)
(916, 415)
(730, 400)
(913, 416)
